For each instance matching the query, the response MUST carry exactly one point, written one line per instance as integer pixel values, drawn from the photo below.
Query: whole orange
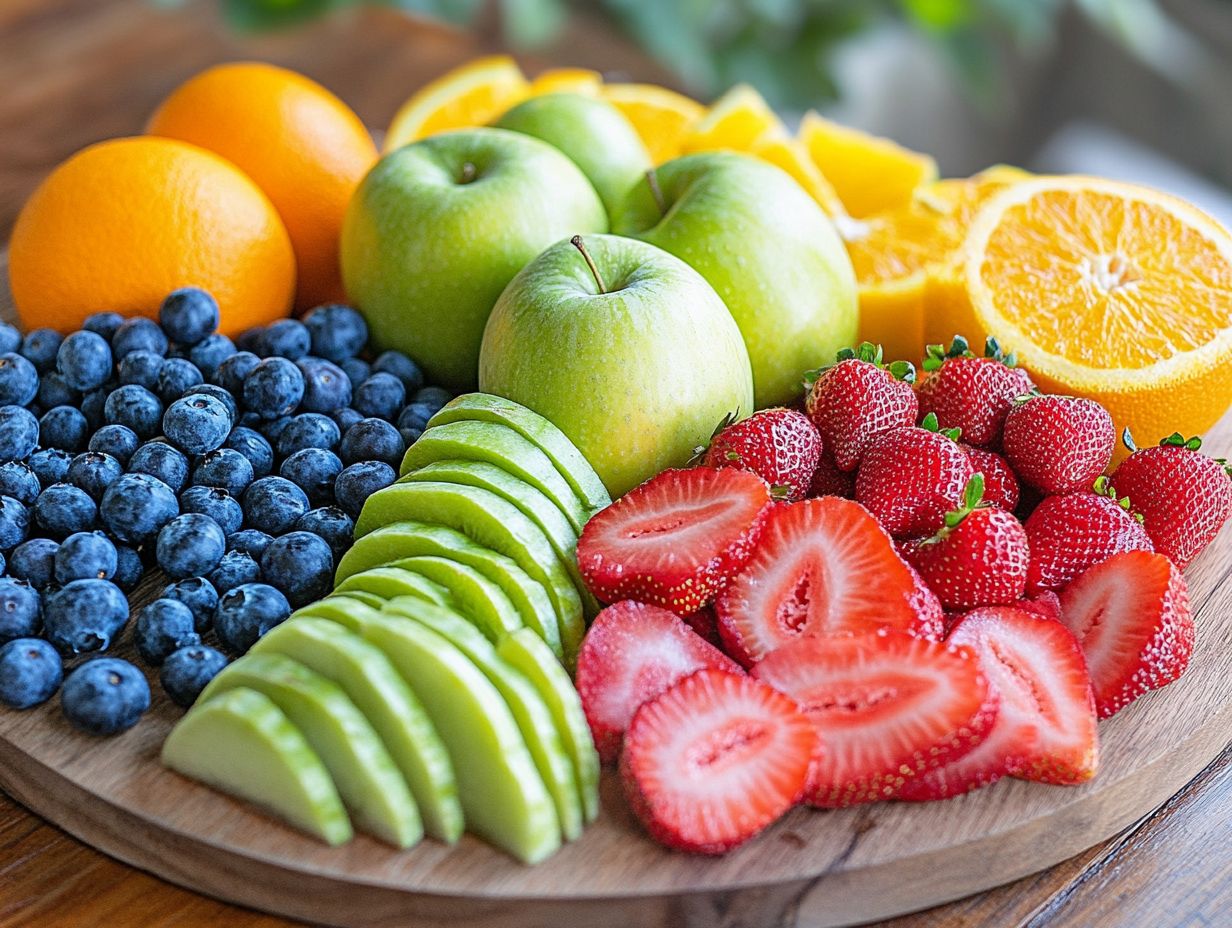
(302, 145)
(122, 223)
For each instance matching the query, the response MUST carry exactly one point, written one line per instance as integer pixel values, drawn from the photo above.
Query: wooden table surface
(76, 71)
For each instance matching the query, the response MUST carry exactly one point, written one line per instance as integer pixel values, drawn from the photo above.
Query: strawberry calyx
(936, 355)
(870, 353)
(930, 423)
(729, 418)
(973, 499)
(1175, 440)
(1103, 487)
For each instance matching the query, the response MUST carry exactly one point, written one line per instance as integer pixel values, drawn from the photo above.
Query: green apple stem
(577, 243)
(468, 172)
(656, 191)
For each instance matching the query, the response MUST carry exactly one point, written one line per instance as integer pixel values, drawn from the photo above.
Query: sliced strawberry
(822, 567)
(1131, 615)
(1004, 748)
(677, 539)
(704, 623)
(1046, 604)
(632, 653)
(930, 614)
(1046, 703)
(714, 760)
(887, 707)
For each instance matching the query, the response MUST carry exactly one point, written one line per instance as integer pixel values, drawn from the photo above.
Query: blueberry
(186, 672)
(380, 396)
(141, 368)
(272, 428)
(18, 380)
(415, 416)
(357, 370)
(119, 441)
(254, 446)
(94, 405)
(197, 423)
(226, 468)
(104, 324)
(84, 360)
(308, 430)
(50, 465)
(209, 353)
(10, 338)
(301, 565)
(338, 332)
(433, 397)
(94, 472)
(359, 481)
(136, 507)
(190, 545)
(326, 387)
(234, 570)
(410, 436)
(250, 339)
(246, 613)
(54, 391)
(273, 388)
(272, 504)
(30, 673)
(199, 595)
(64, 427)
(129, 569)
(20, 609)
(188, 315)
(85, 556)
(286, 338)
(63, 509)
(372, 440)
(209, 389)
(402, 367)
(162, 460)
(19, 433)
(105, 696)
(249, 420)
(40, 347)
(138, 334)
(33, 561)
(19, 481)
(175, 378)
(250, 541)
(163, 627)
(136, 407)
(331, 524)
(85, 615)
(15, 522)
(345, 418)
(231, 372)
(313, 470)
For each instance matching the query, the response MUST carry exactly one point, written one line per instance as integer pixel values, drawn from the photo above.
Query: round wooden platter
(814, 868)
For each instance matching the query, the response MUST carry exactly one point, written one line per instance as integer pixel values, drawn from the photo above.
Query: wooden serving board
(814, 868)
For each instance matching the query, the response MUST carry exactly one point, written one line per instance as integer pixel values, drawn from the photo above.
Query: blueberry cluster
(238, 468)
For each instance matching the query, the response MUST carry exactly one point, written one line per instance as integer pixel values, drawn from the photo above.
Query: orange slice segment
(791, 155)
(735, 121)
(660, 116)
(567, 80)
(471, 95)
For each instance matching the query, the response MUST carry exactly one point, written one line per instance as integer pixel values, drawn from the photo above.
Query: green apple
(766, 247)
(393, 710)
(341, 607)
(528, 708)
(412, 539)
(476, 597)
(504, 798)
(625, 348)
(502, 446)
(370, 784)
(592, 132)
(242, 744)
(484, 407)
(438, 228)
(389, 582)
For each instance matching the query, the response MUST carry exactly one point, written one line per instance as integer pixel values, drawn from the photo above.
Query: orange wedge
(660, 116)
(790, 155)
(567, 80)
(1107, 290)
(471, 95)
(871, 174)
(734, 121)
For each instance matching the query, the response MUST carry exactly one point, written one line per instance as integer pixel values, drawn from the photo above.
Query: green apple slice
(388, 582)
(528, 708)
(503, 797)
(526, 652)
(475, 596)
(572, 465)
(370, 784)
(380, 693)
(491, 521)
(242, 744)
(499, 445)
(344, 608)
(413, 539)
(371, 600)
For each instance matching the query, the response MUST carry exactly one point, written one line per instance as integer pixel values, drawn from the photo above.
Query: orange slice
(471, 95)
(734, 121)
(1111, 291)
(660, 116)
(871, 174)
(790, 155)
(567, 80)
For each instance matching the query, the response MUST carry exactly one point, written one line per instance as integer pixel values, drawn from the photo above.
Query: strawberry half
(822, 567)
(887, 707)
(715, 759)
(969, 393)
(632, 653)
(1058, 444)
(779, 445)
(1131, 615)
(675, 540)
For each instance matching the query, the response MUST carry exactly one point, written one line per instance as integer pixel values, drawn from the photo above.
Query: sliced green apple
(380, 693)
(413, 539)
(491, 521)
(526, 652)
(370, 784)
(528, 708)
(388, 582)
(475, 596)
(503, 797)
(485, 407)
(242, 744)
(349, 603)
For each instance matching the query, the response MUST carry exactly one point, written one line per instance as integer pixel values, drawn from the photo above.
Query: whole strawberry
(779, 445)
(970, 393)
(978, 558)
(1000, 484)
(1071, 533)
(1184, 496)
(1058, 444)
(828, 480)
(857, 399)
(911, 477)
